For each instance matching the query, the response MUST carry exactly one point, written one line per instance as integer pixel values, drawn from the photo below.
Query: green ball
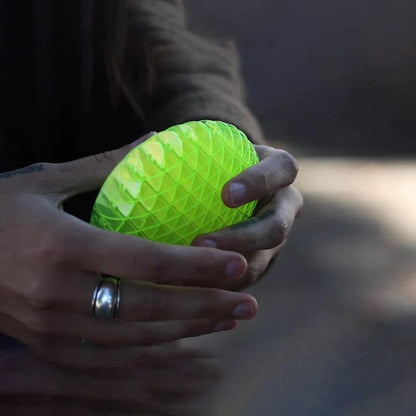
(168, 188)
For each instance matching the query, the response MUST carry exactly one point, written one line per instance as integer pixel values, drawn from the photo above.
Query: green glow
(168, 189)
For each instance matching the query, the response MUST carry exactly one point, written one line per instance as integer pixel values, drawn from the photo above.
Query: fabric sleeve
(183, 76)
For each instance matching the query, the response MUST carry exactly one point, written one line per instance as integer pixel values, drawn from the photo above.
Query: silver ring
(106, 298)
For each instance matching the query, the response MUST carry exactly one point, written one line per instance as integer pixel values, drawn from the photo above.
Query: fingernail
(225, 325)
(207, 242)
(243, 310)
(238, 193)
(143, 138)
(235, 268)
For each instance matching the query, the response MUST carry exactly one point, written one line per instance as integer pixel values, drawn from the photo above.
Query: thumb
(89, 173)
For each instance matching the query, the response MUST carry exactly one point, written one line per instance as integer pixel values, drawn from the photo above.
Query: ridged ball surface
(168, 189)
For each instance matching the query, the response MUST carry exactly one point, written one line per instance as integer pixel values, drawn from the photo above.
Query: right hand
(162, 381)
(50, 263)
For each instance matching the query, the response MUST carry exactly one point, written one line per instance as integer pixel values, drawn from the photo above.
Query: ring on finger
(106, 298)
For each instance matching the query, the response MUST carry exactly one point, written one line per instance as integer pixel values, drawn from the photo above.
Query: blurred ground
(336, 329)
(331, 77)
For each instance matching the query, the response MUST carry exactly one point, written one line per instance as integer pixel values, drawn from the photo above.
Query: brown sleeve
(184, 77)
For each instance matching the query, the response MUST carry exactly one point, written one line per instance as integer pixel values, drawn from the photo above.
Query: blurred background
(334, 82)
(330, 76)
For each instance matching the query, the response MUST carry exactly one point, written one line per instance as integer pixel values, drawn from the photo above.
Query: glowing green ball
(168, 188)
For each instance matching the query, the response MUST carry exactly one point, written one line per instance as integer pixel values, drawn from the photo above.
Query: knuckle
(289, 163)
(254, 271)
(242, 238)
(283, 227)
(281, 231)
(299, 198)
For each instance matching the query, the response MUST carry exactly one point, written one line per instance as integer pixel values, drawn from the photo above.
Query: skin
(52, 261)
(261, 237)
(161, 381)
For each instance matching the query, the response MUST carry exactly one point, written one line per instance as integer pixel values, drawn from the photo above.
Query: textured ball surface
(168, 189)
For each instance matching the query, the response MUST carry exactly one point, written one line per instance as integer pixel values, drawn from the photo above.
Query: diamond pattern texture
(168, 189)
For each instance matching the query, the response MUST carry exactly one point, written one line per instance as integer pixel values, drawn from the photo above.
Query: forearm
(188, 78)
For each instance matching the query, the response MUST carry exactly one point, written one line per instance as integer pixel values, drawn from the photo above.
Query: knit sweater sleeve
(183, 76)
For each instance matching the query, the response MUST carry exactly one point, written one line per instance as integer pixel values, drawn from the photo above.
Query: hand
(261, 237)
(136, 380)
(51, 262)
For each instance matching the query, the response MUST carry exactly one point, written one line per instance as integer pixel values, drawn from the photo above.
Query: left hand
(262, 236)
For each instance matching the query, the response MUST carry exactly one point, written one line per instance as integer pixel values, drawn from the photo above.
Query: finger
(267, 229)
(119, 361)
(149, 302)
(17, 330)
(135, 258)
(180, 312)
(41, 406)
(42, 383)
(211, 312)
(74, 327)
(57, 328)
(139, 301)
(276, 169)
(259, 263)
(88, 173)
